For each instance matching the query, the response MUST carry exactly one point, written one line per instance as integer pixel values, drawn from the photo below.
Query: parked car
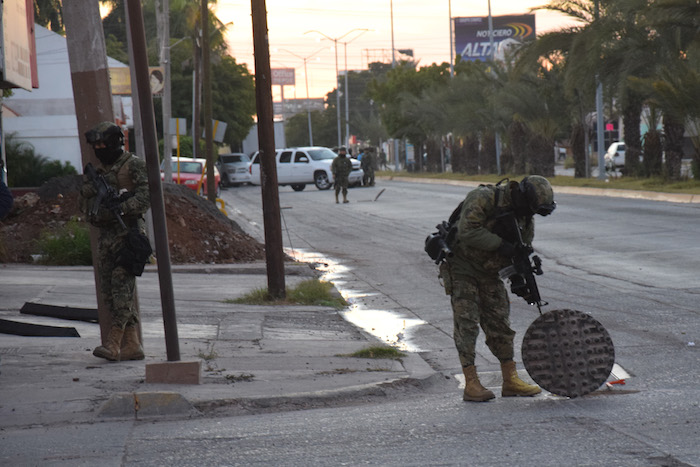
(298, 167)
(233, 169)
(189, 173)
(615, 156)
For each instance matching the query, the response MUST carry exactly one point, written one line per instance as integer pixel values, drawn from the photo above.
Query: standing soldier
(482, 247)
(369, 164)
(121, 225)
(341, 168)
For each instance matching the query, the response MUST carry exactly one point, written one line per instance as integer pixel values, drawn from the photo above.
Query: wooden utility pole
(93, 100)
(268, 167)
(206, 90)
(150, 141)
(163, 16)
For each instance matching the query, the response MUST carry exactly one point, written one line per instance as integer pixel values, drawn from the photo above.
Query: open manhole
(568, 353)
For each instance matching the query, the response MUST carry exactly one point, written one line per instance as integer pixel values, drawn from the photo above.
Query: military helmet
(538, 194)
(106, 132)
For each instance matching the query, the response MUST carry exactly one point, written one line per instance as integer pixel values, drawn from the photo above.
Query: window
(301, 157)
(321, 154)
(286, 157)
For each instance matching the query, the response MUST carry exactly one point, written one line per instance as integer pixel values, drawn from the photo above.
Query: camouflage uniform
(479, 297)
(128, 173)
(368, 165)
(341, 168)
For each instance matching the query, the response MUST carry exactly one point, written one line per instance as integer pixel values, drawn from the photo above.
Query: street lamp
(306, 81)
(337, 76)
(347, 89)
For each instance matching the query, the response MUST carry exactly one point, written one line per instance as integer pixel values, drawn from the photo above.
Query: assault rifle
(438, 244)
(521, 274)
(137, 250)
(106, 195)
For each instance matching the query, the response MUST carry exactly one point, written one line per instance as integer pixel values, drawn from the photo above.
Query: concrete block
(174, 373)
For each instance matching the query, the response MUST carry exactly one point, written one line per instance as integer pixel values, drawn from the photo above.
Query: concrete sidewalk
(253, 358)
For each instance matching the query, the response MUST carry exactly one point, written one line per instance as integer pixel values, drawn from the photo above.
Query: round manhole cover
(568, 353)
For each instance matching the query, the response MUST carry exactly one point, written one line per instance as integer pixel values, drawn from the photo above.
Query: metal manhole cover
(568, 353)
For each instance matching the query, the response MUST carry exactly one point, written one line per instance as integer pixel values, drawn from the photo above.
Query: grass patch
(656, 184)
(243, 377)
(377, 351)
(308, 292)
(337, 371)
(68, 245)
(207, 356)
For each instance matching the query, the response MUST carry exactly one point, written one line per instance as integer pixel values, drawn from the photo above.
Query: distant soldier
(341, 168)
(382, 160)
(119, 259)
(368, 163)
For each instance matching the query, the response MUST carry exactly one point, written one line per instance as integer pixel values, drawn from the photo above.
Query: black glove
(507, 249)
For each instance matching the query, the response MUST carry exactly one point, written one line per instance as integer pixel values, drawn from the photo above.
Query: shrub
(25, 168)
(68, 245)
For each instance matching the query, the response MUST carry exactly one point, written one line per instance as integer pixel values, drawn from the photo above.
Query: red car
(191, 172)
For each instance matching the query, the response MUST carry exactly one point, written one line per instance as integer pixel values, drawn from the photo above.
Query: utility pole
(347, 88)
(164, 30)
(93, 100)
(393, 56)
(206, 90)
(268, 168)
(150, 141)
(306, 82)
(599, 115)
(452, 54)
(196, 94)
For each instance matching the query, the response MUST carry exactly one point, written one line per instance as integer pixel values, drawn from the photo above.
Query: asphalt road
(631, 264)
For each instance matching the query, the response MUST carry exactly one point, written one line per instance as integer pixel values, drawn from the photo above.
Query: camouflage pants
(481, 303)
(117, 285)
(341, 183)
(368, 177)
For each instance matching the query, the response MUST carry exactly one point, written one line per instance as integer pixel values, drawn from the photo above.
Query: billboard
(120, 79)
(18, 60)
(282, 76)
(472, 40)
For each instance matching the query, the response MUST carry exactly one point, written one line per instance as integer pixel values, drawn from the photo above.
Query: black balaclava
(108, 155)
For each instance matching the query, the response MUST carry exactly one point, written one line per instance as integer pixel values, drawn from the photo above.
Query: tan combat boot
(513, 385)
(336, 198)
(131, 346)
(345, 198)
(473, 390)
(111, 348)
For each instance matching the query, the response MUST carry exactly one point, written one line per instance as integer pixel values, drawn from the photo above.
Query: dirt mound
(197, 231)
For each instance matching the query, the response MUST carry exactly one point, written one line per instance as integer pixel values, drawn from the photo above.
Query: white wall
(53, 137)
(45, 117)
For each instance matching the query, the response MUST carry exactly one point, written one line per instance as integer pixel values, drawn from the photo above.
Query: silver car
(234, 169)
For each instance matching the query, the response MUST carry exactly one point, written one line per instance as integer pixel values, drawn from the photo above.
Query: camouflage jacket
(476, 244)
(127, 174)
(341, 167)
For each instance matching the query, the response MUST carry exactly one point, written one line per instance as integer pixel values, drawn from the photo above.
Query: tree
(233, 91)
(48, 13)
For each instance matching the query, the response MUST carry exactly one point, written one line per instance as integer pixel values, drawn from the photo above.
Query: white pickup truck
(298, 167)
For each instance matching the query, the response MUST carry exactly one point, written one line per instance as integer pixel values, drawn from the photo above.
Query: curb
(158, 404)
(584, 191)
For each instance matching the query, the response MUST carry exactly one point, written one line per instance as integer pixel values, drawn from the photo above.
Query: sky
(421, 25)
